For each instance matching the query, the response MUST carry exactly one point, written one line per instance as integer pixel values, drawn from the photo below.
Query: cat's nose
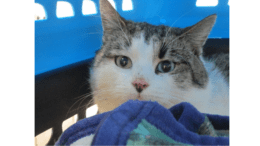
(140, 85)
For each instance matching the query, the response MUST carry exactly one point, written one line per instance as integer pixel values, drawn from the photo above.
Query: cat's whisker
(95, 16)
(81, 102)
(194, 27)
(74, 104)
(84, 96)
(94, 92)
(86, 106)
(121, 88)
(102, 33)
(158, 94)
(175, 22)
(81, 96)
(122, 30)
(119, 26)
(94, 33)
(90, 102)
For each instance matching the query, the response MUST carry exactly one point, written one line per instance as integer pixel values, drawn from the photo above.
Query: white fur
(219, 90)
(112, 85)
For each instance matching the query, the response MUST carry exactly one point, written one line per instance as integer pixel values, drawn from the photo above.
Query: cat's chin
(135, 96)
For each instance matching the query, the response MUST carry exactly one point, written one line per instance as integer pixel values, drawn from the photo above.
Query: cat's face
(146, 62)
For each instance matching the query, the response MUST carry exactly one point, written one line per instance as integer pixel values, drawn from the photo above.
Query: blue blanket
(148, 123)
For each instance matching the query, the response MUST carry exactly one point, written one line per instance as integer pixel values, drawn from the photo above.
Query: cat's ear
(110, 17)
(198, 33)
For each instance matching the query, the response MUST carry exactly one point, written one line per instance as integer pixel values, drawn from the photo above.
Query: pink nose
(140, 85)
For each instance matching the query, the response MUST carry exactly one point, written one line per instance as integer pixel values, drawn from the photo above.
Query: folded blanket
(148, 123)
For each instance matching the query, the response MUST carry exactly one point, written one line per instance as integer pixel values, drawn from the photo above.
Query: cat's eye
(123, 61)
(165, 66)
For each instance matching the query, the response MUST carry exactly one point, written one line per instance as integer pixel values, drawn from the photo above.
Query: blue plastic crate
(63, 41)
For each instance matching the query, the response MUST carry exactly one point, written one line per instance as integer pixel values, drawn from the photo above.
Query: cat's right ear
(110, 18)
(198, 33)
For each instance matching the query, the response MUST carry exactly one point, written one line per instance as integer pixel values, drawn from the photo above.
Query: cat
(142, 61)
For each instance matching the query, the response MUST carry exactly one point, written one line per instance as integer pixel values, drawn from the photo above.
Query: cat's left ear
(110, 17)
(198, 33)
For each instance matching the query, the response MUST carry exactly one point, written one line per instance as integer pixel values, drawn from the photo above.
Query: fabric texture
(148, 123)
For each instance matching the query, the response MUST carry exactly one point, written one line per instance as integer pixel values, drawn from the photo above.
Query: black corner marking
(163, 51)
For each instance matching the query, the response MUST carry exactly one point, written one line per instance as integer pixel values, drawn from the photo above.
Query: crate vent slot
(206, 3)
(39, 12)
(88, 7)
(64, 9)
(127, 5)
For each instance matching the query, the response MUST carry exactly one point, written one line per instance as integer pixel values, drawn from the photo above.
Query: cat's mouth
(140, 96)
(136, 96)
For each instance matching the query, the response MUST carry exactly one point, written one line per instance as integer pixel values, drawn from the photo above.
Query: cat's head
(147, 62)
